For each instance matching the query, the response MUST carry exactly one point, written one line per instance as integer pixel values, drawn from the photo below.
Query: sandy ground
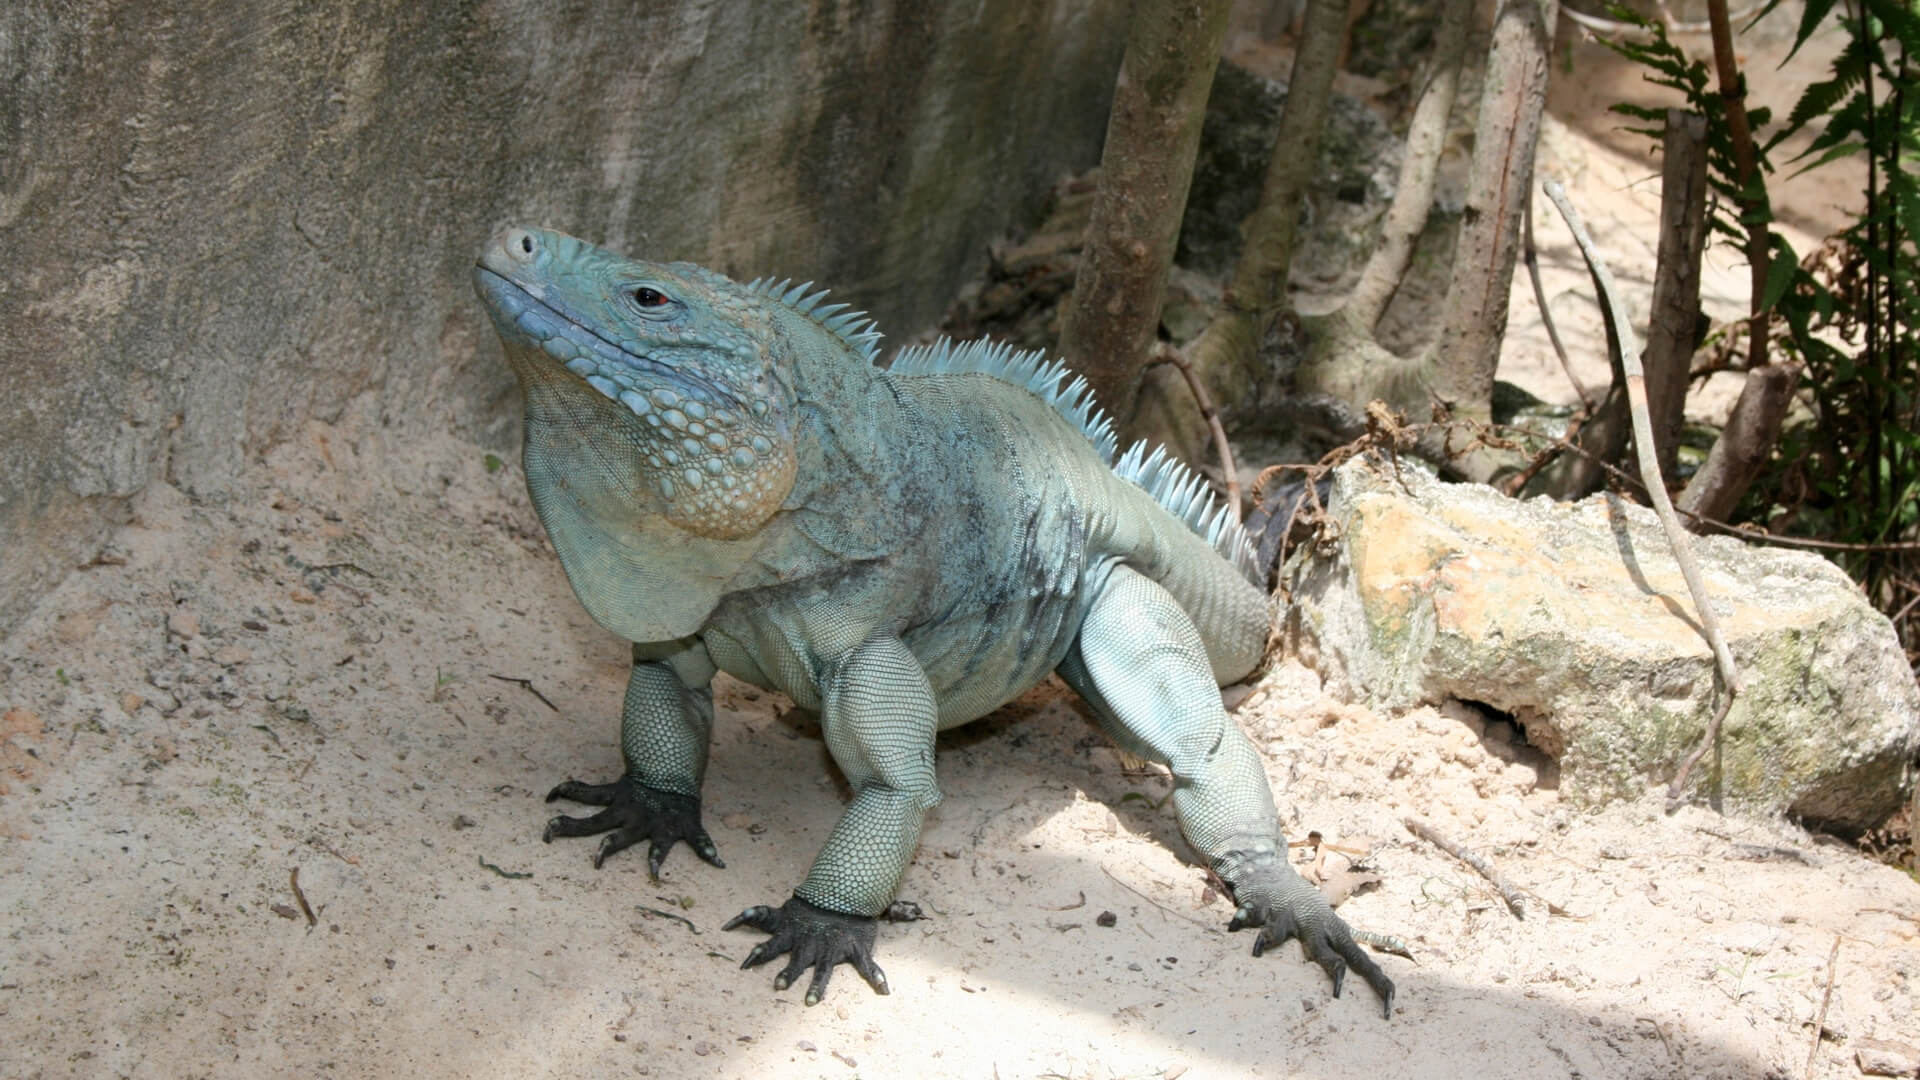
(308, 680)
(321, 678)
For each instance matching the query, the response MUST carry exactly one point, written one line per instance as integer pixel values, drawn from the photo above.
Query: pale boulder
(1574, 619)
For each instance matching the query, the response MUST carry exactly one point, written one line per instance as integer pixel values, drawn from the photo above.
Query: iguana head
(689, 360)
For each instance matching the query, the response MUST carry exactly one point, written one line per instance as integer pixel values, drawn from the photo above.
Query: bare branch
(1204, 401)
(1472, 858)
(1531, 256)
(1744, 446)
(1650, 472)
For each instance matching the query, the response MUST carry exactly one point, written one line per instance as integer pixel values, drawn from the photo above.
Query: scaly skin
(733, 485)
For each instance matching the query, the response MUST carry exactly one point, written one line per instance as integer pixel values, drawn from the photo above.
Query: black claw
(591, 794)
(817, 989)
(1275, 899)
(812, 937)
(634, 812)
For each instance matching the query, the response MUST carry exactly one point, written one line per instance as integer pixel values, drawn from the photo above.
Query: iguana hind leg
(1140, 663)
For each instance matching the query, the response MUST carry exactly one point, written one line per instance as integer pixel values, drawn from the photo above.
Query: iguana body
(734, 485)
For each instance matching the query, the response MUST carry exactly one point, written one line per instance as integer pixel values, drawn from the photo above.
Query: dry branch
(1820, 1020)
(1530, 255)
(1650, 474)
(1745, 445)
(1466, 855)
(1229, 474)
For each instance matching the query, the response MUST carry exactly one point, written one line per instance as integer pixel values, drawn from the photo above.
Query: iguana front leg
(665, 727)
(1140, 663)
(878, 714)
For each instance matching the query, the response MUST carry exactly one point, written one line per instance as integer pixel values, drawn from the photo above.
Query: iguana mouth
(619, 374)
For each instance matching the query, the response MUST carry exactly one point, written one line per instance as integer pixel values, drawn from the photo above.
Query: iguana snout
(702, 402)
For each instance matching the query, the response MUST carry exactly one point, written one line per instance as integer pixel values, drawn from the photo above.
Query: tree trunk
(1473, 319)
(1153, 134)
(1673, 325)
(1745, 445)
(1670, 337)
(1419, 169)
(1223, 357)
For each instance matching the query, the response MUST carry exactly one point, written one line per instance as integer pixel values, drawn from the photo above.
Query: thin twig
(511, 875)
(306, 909)
(1661, 1031)
(1164, 909)
(659, 914)
(1820, 1021)
(1169, 355)
(527, 685)
(1518, 482)
(1616, 29)
(1531, 256)
(1650, 476)
(1432, 836)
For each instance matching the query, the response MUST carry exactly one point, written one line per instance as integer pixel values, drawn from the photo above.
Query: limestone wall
(220, 219)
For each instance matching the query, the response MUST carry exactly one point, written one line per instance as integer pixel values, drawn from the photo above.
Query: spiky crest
(1185, 495)
(852, 327)
(1030, 369)
(1183, 492)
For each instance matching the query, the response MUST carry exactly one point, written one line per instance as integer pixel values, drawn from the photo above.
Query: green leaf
(492, 463)
(1834, 153)
(1820, 98)
(1764, 12)
(1810, 21)
(1849, 119)
(1899, 17)
(1906, 204)
(1782, 264)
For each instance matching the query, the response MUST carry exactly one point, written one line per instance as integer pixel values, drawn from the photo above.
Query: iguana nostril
(519, 245)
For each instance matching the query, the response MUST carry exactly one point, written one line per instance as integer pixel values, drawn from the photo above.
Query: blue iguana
(734, 484)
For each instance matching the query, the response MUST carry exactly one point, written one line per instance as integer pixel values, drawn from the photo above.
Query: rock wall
(224, 219)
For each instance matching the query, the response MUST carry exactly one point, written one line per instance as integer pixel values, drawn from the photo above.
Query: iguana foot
(1283, 905)
(817, 939)
(634, 812)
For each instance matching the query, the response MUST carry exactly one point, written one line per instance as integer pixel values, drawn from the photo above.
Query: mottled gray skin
(733, 485)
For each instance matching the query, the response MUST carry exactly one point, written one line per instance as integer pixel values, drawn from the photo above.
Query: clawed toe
(634, 812)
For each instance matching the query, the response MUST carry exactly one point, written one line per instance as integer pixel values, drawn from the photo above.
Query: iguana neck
(861, 451)
(855, 498)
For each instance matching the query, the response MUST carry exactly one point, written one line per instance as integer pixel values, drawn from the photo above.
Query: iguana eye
(646, 297)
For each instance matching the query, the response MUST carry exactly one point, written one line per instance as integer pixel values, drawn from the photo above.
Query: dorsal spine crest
(853, 327)
(1177, 488)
